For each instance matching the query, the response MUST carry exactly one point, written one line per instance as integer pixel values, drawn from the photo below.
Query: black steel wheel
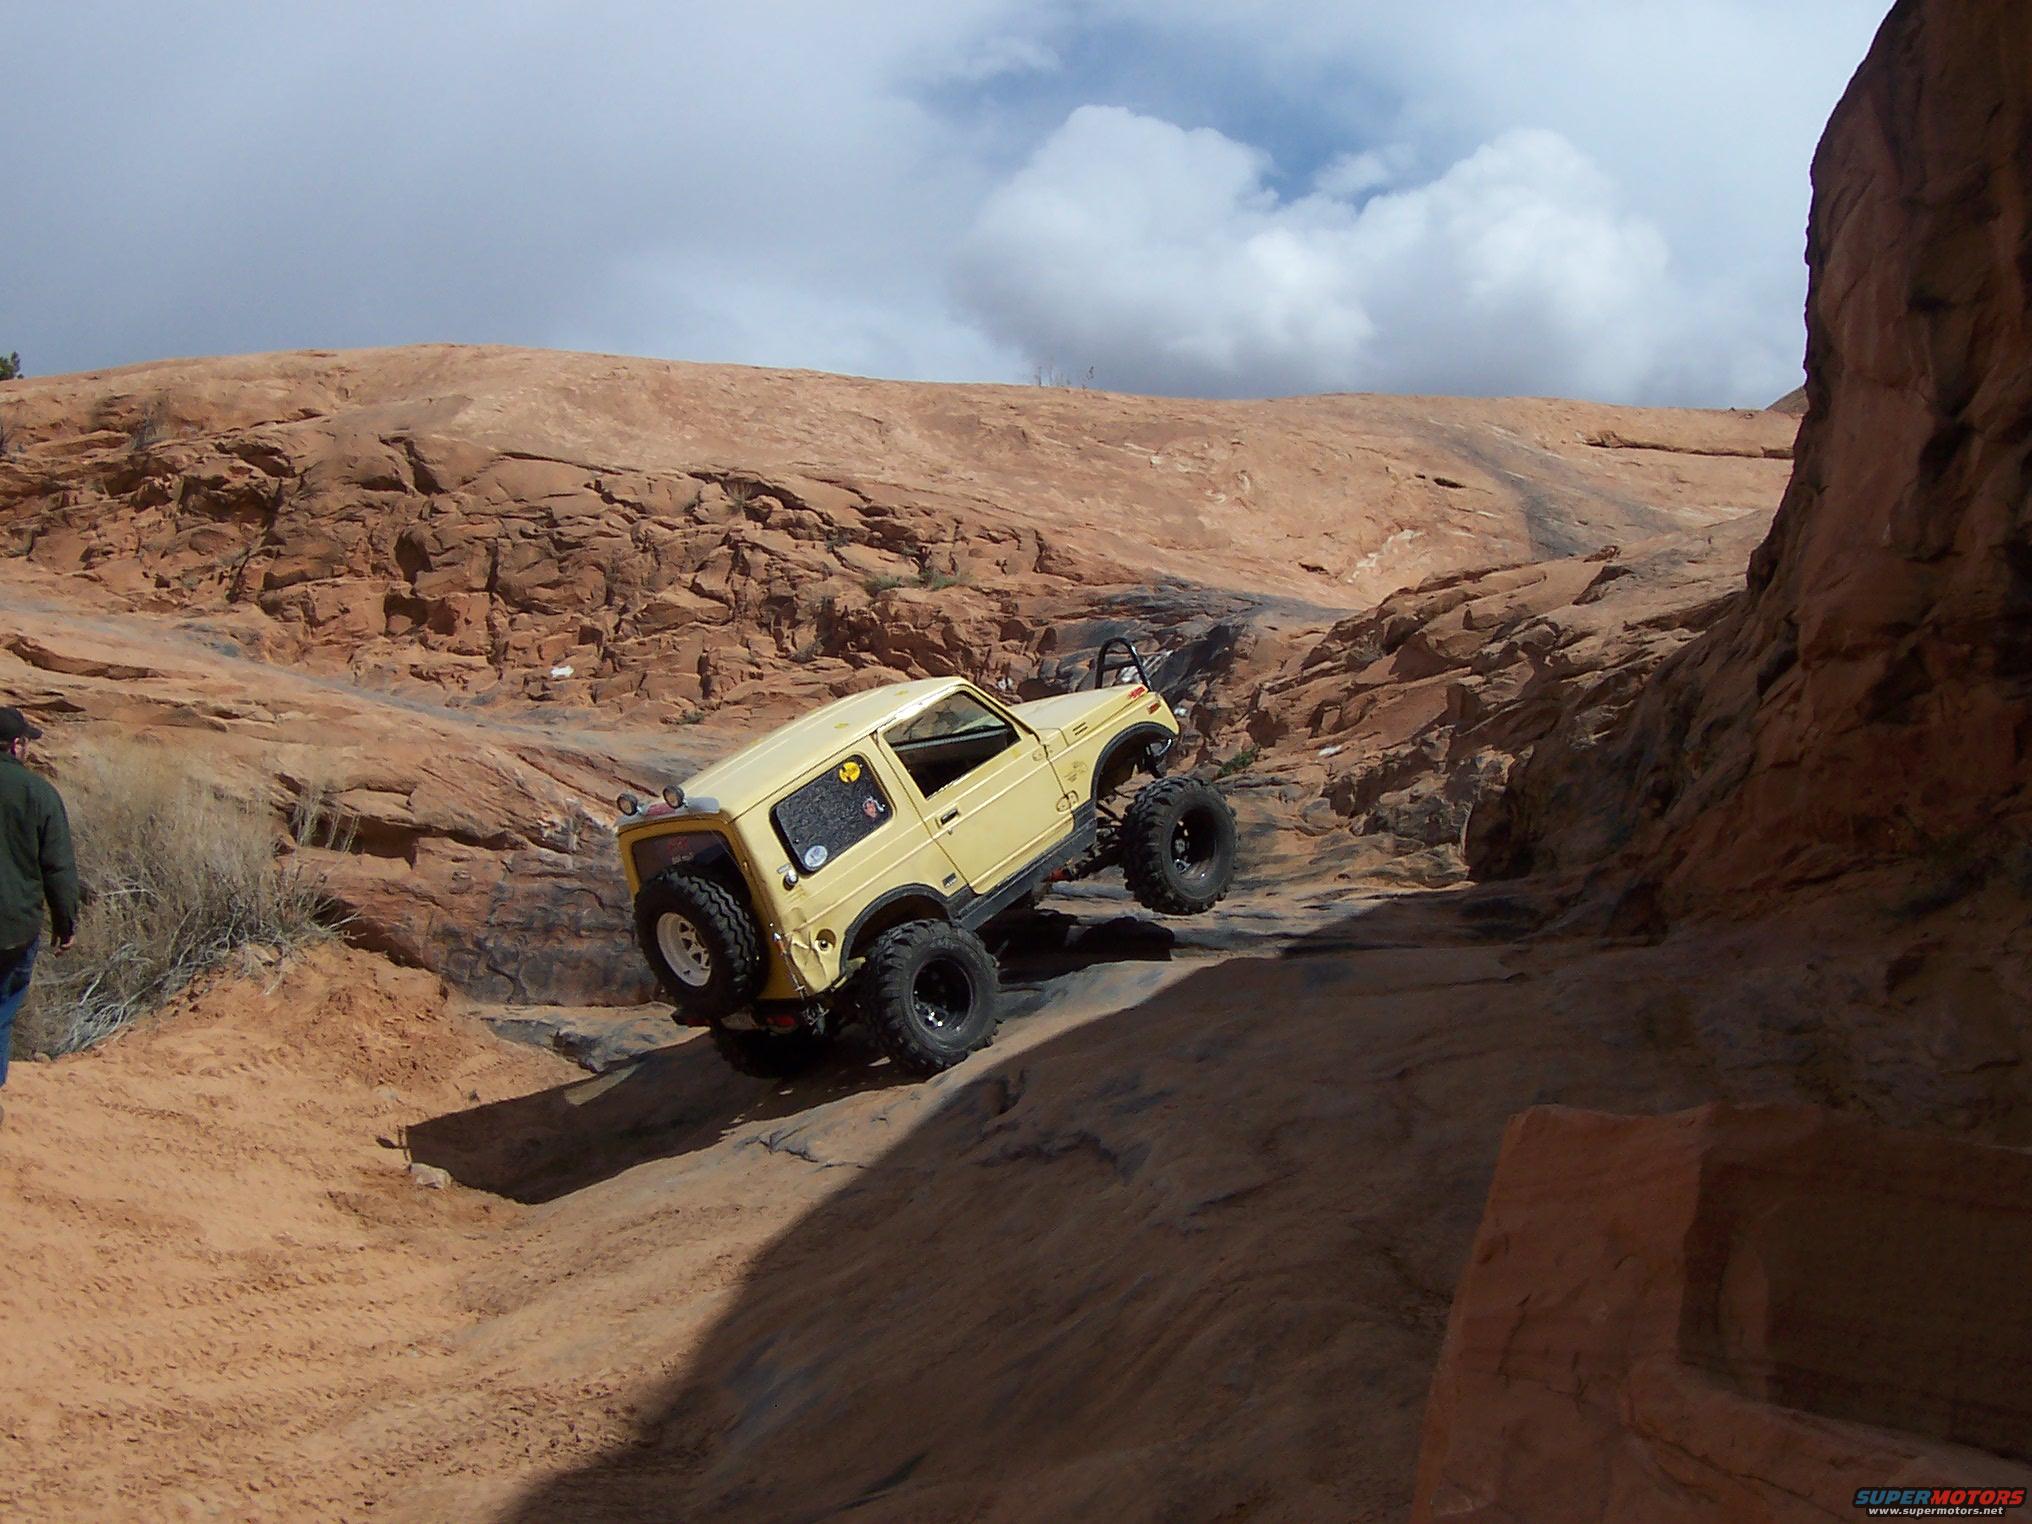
(929, 994)
(1179, 846)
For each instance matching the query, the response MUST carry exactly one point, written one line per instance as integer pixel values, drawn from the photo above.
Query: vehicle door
(990, 795)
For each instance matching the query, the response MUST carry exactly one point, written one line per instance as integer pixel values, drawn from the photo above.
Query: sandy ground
(1179, 1246)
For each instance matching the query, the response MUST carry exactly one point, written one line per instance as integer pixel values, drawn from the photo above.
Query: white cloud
(1161, 256)
(997, 57)
(699, 182)
(796, 184)
(1351, 176)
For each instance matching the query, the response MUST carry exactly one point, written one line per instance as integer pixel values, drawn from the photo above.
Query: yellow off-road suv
(842, 866)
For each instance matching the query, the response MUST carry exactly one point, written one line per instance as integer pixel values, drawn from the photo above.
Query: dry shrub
(179, 873)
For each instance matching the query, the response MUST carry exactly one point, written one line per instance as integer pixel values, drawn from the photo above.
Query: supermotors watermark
(1939, 1502)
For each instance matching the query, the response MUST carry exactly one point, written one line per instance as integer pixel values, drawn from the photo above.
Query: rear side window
(829, 814)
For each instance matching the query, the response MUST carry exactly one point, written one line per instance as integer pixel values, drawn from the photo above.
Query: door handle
(949, 817)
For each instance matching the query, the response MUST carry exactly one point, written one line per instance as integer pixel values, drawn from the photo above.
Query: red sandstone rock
(1869, 698)
(1403, 719)
(450, 539)
(747, 541)
(1740, 1313)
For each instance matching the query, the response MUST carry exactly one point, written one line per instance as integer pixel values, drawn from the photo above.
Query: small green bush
(1240, 762)
(1050, 374)
(10, 366)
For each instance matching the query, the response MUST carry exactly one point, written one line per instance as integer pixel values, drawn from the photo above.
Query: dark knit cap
(14, 726)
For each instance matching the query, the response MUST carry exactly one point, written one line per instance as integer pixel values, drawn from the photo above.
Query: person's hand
(63, 944)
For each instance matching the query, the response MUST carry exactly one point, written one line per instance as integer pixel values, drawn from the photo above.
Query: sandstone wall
(1869, 697)
(1741, 1313)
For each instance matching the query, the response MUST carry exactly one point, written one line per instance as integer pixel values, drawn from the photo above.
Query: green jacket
(36, 867)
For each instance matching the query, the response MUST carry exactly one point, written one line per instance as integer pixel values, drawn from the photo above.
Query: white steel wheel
(683, 949)
(702, 944)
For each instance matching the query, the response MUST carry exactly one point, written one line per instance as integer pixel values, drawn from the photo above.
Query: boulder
(1741, 1313)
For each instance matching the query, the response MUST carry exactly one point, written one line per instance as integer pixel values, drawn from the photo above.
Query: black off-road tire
(768, 1055)
(725, 965)
(1178, 846)
(929, 995)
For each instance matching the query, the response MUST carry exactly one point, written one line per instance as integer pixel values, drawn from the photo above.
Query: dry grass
(180, 874)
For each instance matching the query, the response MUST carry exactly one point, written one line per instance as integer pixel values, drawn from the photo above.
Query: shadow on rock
(1194, 1259)
(682, 1097)
(1180, 1260)
(674, 1101)
(1050, 941)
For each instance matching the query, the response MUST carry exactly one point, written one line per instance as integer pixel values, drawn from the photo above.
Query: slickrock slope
(479, 841)
(1181, 1243)
(472, 522)
(1396, 726)
(1732, 1313)
(1870, 699)
(472, 591)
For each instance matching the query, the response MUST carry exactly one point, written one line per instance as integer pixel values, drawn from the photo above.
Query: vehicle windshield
(949, 720)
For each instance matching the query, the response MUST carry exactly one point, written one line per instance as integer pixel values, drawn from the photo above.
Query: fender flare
(1143, 733)
(931, 898)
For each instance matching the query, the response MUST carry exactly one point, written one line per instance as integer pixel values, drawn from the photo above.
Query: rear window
(829, 814)
(697, 850)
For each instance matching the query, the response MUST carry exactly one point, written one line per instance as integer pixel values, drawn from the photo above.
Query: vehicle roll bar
(1108, 662)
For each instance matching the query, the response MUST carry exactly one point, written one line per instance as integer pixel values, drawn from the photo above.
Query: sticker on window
(831, 813)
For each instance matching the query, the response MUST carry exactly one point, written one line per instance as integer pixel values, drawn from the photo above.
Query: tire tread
(720, 915)
(885, 991)
(1144, 848)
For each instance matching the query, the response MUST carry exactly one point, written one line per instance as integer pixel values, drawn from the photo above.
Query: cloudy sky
(1599, 198)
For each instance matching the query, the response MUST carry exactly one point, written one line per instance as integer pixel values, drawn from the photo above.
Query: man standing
(36, 869)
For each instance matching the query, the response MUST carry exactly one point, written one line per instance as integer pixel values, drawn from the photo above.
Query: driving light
(673, 796)
(627, 804)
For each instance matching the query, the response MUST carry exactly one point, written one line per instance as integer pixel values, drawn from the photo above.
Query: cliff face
(1869, 696)
(1750, 1314)
(1731, 1313)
